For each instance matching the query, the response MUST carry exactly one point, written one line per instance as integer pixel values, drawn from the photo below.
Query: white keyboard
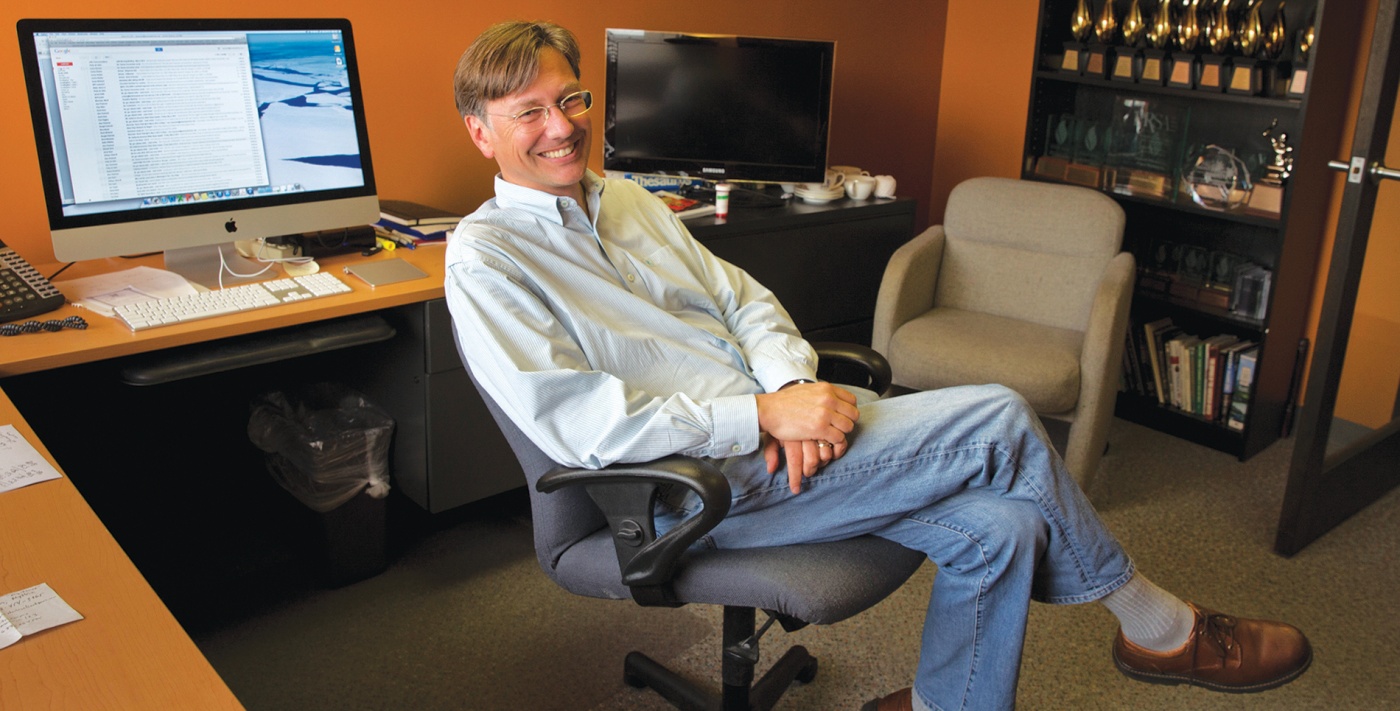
(244, 297)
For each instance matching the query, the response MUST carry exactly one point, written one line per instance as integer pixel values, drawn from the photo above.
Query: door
(1347, 452)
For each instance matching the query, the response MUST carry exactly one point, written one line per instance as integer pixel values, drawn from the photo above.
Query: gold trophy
(1105, 29)
(1218, 35)
(1275, 41)
(1127, 58)
(1298, 84)
(1081, 25)
(1159, 35)
(1247, 75)
(1186, 36)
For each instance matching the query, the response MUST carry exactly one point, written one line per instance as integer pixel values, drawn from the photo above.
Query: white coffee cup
(859, 187)
(884, 186)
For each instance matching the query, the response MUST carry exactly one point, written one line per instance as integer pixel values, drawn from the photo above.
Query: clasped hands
(806, 424)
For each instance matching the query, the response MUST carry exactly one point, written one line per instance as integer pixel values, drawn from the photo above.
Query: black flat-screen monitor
(718, 107)
(165, 135)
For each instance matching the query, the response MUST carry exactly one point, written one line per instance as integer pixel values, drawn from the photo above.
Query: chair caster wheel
(808, 672)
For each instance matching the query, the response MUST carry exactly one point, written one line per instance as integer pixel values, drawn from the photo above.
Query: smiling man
(608, 334)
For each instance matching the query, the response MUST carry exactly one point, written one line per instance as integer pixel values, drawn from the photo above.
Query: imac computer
(184, 136)
(722, 108)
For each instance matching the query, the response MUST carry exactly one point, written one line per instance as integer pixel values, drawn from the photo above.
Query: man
(607, 334)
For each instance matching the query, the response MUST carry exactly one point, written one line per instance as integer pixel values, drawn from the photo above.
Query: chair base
(797, 664)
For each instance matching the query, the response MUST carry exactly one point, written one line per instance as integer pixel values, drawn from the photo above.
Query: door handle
(1357, 167)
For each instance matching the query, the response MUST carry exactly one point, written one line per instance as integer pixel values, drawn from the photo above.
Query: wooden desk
(107, 338)
(128, 652)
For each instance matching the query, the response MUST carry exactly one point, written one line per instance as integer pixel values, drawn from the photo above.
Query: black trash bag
(325, 443)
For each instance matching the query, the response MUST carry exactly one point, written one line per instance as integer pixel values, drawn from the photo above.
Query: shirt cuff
(736, 425)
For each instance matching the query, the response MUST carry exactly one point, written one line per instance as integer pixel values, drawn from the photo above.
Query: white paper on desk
(32, 610)
(105, 292)
(21, 464)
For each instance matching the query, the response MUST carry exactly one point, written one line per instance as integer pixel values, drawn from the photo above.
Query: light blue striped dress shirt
(616, 339)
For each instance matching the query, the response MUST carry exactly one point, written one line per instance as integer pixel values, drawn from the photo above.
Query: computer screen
(718, 107)
(157, 135)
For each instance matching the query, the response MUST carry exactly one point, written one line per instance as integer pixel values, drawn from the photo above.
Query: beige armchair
(1023, 285)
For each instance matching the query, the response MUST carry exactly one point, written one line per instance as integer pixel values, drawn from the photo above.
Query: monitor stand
(201, 265)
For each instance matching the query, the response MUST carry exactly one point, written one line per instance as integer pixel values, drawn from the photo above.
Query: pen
(387, 244)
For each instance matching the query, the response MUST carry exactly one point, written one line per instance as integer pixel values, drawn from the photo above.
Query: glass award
(1145, 146)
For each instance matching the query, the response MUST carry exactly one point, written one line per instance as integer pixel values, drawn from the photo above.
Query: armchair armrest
(627, 494)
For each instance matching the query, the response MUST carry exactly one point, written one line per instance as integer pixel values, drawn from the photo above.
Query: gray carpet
(463, 618)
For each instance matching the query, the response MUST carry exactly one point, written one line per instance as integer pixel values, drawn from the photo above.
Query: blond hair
(506, 58)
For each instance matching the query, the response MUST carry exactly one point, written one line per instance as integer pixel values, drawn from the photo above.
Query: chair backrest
(560, 519)
(1027, 250)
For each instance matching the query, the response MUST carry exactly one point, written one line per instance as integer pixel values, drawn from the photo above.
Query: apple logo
(230, 226)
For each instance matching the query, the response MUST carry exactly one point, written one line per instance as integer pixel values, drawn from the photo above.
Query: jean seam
(978, 634)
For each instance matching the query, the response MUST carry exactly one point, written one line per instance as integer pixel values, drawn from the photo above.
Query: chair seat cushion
(820, 583)
(948, 347)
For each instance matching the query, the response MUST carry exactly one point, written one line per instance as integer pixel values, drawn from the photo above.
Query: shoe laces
(1220, 630)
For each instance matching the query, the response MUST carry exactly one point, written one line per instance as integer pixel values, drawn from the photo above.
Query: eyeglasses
(571, 106)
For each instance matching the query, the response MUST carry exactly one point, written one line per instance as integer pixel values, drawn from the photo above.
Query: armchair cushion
(946, 347)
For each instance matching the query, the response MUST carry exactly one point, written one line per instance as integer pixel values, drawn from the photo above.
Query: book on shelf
(1244, 386)
(1230, 357)
(1152, 333)
(682, 206)
(1213, 382)
(412, 214)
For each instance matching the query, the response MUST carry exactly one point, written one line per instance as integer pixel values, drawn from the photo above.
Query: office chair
(595, 536)
(1023, 285)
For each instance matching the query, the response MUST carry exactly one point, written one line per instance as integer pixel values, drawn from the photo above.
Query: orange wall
(888, 66)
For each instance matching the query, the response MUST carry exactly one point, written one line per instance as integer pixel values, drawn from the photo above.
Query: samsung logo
(712, 170)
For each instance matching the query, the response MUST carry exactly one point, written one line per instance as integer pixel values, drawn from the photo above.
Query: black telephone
(24, 292)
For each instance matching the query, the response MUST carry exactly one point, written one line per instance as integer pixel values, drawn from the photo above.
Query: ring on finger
(823, 443)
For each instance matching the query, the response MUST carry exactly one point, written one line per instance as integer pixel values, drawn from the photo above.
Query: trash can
(328, 446)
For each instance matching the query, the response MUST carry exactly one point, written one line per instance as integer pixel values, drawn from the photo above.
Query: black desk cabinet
(824, 262)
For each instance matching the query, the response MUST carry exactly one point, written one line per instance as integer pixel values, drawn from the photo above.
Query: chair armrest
(875, 370)
(908, 285)
(627, 494)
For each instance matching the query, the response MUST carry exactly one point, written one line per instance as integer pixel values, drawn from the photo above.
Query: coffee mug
(859, 187)
(884, 186)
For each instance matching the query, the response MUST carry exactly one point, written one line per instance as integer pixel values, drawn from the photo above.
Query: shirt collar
(545, 205)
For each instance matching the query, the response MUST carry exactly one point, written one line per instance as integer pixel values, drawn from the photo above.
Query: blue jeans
(966, 476)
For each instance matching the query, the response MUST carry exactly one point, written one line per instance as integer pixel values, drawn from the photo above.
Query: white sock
(1151, 617)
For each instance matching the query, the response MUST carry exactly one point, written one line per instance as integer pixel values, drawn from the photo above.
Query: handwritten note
(21, 464)
(32, 610)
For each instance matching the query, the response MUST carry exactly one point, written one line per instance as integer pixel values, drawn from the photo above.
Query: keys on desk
(244, 297)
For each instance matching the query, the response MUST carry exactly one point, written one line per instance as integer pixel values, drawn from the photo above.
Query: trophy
(1298, 84)
(1127, 60)
(1145, 146)
(1218, 35)
(1186, 36)
(1267, 196)
(1081, 25)
(1159, 34)
(1275, 41)
(1105, 27)
(1217, 179)
(1247, 76)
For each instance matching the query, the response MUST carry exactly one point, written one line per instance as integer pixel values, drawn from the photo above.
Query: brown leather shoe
(902, 700)
(1223, 653)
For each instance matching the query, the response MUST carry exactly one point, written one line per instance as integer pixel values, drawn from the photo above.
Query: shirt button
(736, 449)
(631, 277)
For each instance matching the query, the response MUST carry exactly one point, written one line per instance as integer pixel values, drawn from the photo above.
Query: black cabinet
(1196, 168)
(823, 261)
